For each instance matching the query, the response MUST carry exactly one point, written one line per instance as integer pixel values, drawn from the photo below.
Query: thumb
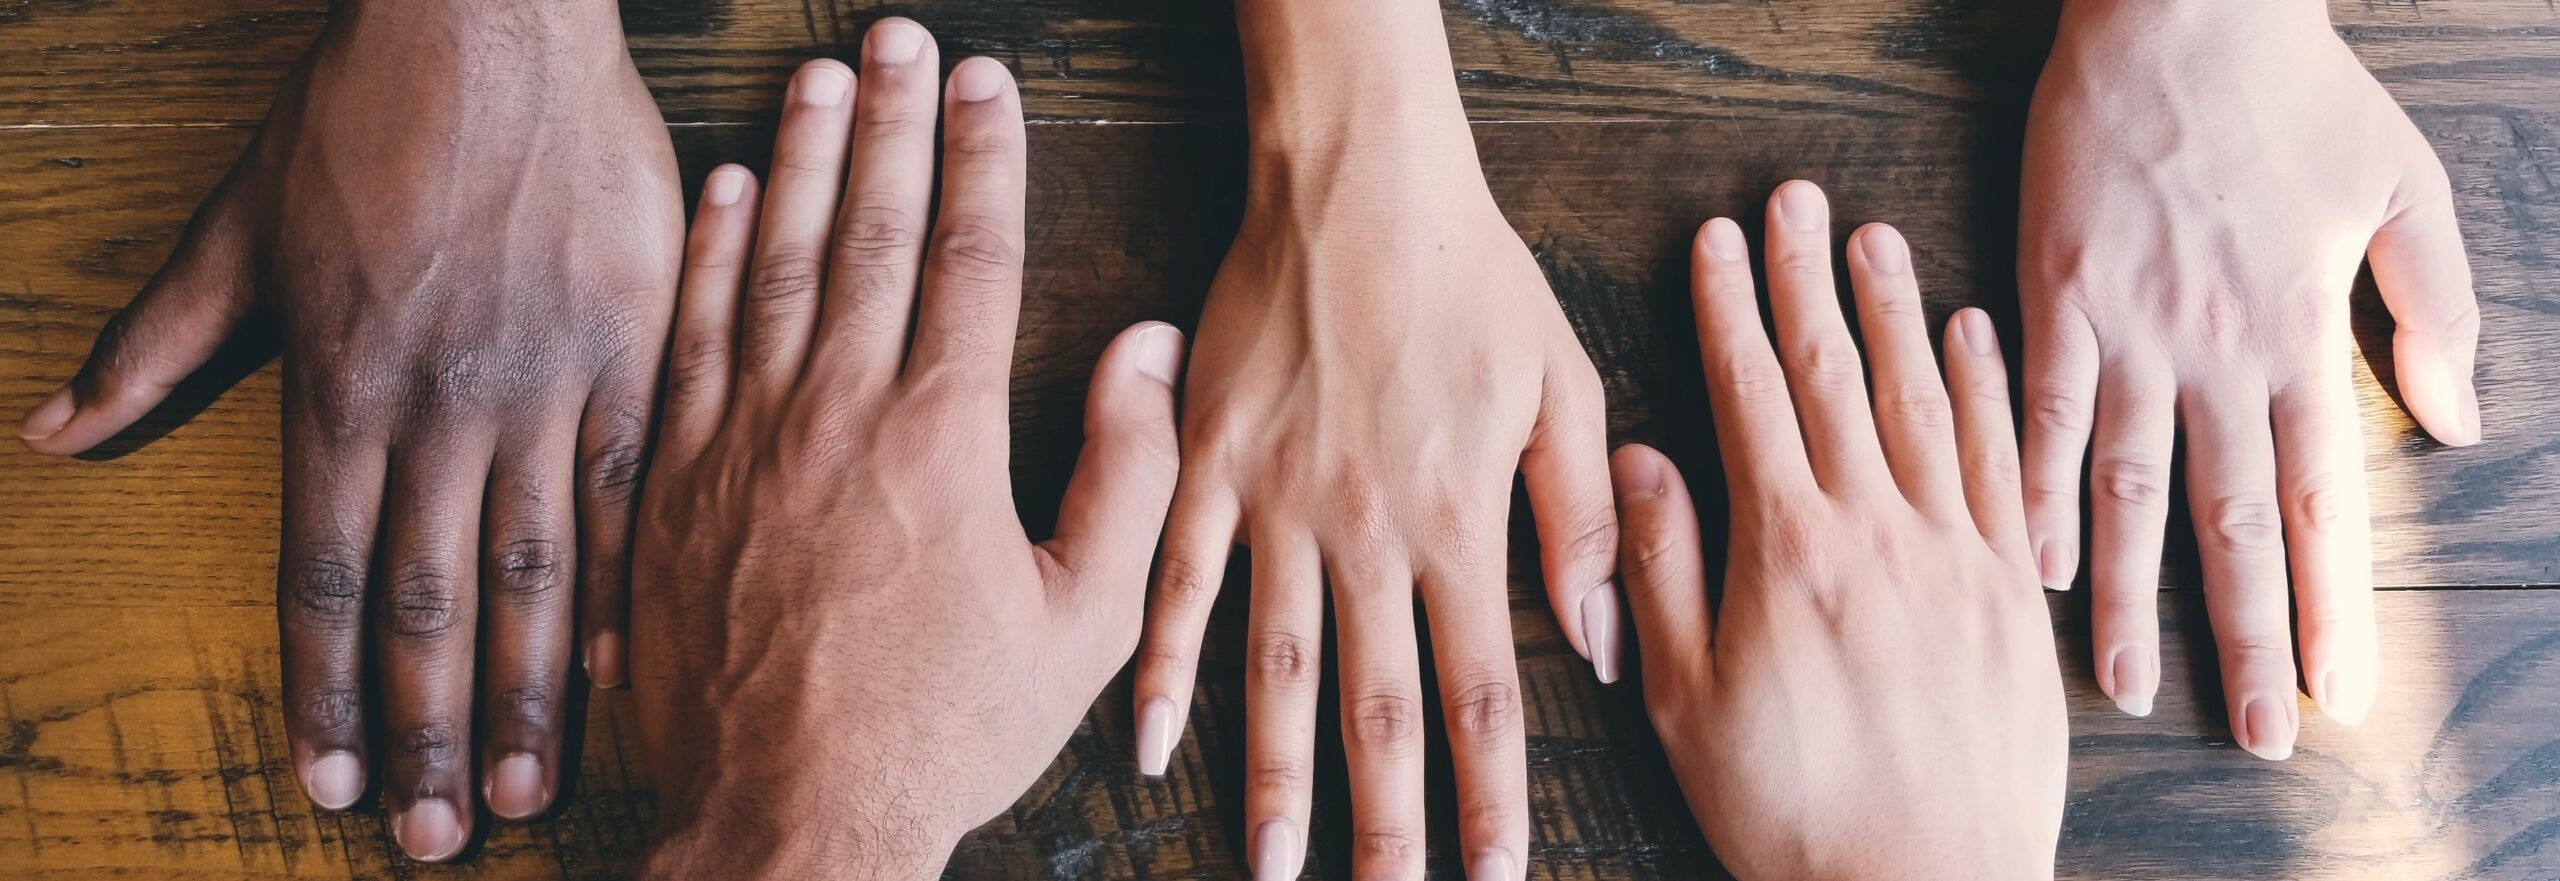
(181, 317)
(2426, 281)
(1115, 503)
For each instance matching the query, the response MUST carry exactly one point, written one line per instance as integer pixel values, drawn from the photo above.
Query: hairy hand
(2202, 182)
(846, 653)
(469, 226)
(1889, 713)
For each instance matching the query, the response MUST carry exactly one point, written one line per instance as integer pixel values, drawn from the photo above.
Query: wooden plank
(88, 62)
(146, 741)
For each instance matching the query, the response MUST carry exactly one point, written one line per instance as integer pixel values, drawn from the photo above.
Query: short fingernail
(1801, 207)
(2056, 564)
(724, 187)
(2468, 417)
(2270, 728)
(1155, 736)
(50, 416)
(1978, 335)
(1724, 240)
(2133, 685)
(1492, 864)
(1887, 252)
(429, 831)
(334, 780)
(1275, 851)
(604, 659)
(896, 41)
(822, 85)
(517, 787)
(1600, 630)
(1160, 353)
(978, 79)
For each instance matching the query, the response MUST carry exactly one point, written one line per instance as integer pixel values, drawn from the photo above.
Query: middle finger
(1823, 369)
(426, 629)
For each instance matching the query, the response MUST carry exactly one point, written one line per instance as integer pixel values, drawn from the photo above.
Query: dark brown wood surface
(142, 736)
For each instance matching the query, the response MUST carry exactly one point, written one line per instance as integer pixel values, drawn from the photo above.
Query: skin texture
(1380, 355)
(1891, 714)
(467, 221)
(846, 652)
(2202, 183)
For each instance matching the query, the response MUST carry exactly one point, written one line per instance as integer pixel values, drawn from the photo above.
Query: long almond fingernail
(1275, 851)
(1155, 736)
(1600, 631)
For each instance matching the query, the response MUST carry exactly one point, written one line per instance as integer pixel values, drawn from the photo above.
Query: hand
(2202, 182)
(469, 225)
(1894, 713)
(845, 651)
(1380, 354)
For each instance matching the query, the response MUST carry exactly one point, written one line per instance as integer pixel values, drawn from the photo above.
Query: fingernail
(334, 780)
(2270, 728)
(1600, 631)
(1724, 240)
(1275, 851)
(2468, 432)
(724, 187)
(1155, 736)
(1977, 332)
(822, 85)
(896, 41)
(2056, 564)
(1160, 353)
(1492, 864)
(978, 79)
(2131, 682)
(517, 788)
(604, 660)
(2348, 707)
(1802, 208)
(1887, 252)
(50, 416)
(428, 831)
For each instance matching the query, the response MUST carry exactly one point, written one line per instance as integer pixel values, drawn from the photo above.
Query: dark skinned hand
(467, 219)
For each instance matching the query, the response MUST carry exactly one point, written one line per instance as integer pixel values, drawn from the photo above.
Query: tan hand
(1877, 697)
(2202, 182)
(846, 651)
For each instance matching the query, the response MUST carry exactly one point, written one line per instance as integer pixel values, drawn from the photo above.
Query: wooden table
(138, 674)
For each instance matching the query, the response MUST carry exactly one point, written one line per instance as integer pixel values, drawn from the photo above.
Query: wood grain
(137, 654)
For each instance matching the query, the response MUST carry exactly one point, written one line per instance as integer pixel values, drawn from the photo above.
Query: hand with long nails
(467, 221)
(845, 651)
(1379, 356)
(2203, 181)
(1889, 713)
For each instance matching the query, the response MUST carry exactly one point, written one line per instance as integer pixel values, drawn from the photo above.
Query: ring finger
(531, 553)
(1286, 619)
(1381, 674)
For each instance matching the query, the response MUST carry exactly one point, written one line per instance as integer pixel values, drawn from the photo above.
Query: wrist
(529, 28)
(2203, 18)
(1330, 84)
(774, 829)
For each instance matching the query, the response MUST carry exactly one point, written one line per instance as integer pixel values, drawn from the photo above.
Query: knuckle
(976, 249)
(331, 711)
(1917, 405)
(2057, 411)
(613, 474)
(1487, 711)
(2246, 525)
(1279, 773)
(1997, 466)
(991, 145)
(529, 703)
(1285, 660)
(1181, 584)
(1386, 721)
(783, 281)
(877, 235)
(1827, 364)
(432, 745)
(1388, 843)
(327, 586)
(1595, 534)
(1656, 558)
(697, 360)
(426, 601)
(447, 375)
(2132, 482)
(2316, 502)
(528, 571)
(1752, 378)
